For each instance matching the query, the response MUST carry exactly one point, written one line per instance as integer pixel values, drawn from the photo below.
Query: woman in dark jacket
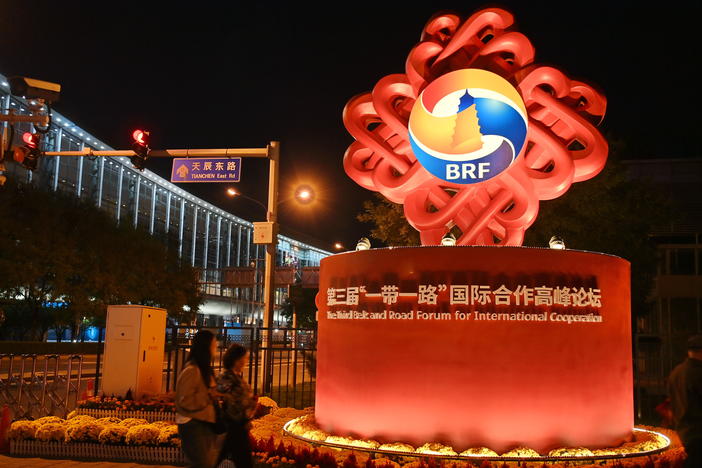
(195, 411)
(239, 406)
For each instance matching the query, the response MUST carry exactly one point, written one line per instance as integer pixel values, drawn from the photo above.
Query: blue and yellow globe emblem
(468, 126)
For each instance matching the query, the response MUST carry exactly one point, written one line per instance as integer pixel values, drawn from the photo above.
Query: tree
(388, 222)
(302, 302)
(611, 213)
(56, 248)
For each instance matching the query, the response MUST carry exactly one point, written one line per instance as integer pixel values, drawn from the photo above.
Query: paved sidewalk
(20, 462)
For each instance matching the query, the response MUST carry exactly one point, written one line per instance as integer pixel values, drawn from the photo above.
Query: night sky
(203, 75)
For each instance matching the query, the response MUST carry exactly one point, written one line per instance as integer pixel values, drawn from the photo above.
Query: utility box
(264, 232)
(134, 345)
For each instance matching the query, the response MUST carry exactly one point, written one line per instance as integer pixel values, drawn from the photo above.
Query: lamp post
(269, 275)
(303, 194)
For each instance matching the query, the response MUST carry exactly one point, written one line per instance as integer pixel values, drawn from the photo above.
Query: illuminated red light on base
(647, 443)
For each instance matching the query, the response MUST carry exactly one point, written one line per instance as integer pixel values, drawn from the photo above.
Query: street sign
(186, 170)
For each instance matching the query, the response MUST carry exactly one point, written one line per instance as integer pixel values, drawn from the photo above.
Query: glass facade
(210, 238)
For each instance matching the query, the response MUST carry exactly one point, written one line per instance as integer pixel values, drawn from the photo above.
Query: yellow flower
(88, 431)
(131, 422)
(50, 419)
(51, 432)
(169, 436)
(146, 434)
(521, 452)
(80, 419)
(23, 430)
(108, 421)
(114, 434)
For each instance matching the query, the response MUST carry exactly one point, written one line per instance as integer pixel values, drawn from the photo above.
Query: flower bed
(150, 416)
(138, 440)
(159, 404)
(158, 408)
(108, 438)
(97, 451)
(161, 408)
(644, 442)
(277, 450)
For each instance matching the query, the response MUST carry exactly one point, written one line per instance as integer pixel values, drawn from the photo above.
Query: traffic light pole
(42, 120)
(270, 152)
(175, 153)
(269, 279)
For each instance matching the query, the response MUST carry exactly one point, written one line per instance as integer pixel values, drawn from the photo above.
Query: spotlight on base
(556, 243)
(448, 239)
(363, 244)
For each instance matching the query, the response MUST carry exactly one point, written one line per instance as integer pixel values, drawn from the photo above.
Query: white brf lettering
(483, 168)
(452, 171)
(467, 170)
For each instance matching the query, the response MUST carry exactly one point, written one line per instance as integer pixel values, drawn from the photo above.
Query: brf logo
(468, 126)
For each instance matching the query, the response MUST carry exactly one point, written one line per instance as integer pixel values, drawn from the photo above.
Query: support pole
(269, 279)
(170, 153)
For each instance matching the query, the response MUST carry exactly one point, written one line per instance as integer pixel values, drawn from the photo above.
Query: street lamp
(232, 192)
(303, 194)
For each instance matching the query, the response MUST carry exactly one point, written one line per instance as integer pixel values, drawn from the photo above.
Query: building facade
(661, 336)
(210, 238)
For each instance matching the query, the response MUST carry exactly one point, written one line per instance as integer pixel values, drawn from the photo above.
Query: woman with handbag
(196, 412)
(238, 408)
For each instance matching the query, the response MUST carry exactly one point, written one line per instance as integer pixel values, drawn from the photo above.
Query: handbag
(220, 424)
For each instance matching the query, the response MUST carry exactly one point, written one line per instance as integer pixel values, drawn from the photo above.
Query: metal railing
(36, 385)
(292, 370)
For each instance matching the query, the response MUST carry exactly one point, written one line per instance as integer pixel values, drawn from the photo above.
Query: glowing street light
(232, 192)
(304, 194)
(338, 246)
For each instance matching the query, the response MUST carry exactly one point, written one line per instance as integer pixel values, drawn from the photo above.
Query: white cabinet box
(134, 345)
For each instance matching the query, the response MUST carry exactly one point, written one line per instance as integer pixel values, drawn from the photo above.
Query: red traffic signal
(141, 137)
(141, 149)
(29, 154)
(31, 140)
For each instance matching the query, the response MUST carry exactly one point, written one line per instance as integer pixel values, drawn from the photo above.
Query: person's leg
(228, 443)
(198, 443)
(240, 446)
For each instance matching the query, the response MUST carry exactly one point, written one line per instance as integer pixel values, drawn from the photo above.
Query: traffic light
(29, 154)
(141, 148)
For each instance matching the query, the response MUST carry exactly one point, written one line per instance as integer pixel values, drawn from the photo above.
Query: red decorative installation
(562, 144)
(475, 346)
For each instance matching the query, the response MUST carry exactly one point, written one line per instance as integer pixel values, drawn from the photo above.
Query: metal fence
(292, 356)
(36, 385)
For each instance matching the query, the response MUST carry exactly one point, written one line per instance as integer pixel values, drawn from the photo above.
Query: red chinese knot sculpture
(561, 144)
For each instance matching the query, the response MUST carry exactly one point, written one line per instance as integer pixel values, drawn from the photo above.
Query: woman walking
(239, 406)
(195, 411)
